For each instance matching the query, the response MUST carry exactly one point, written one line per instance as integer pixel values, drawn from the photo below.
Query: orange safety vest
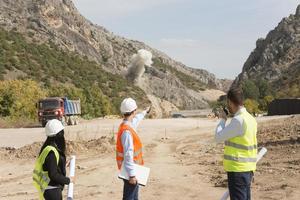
(138, 147)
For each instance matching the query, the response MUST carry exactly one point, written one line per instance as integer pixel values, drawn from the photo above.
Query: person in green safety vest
(49, 174)
(240, 153)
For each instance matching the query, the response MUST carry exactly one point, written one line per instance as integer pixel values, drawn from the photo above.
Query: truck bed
(72, 107)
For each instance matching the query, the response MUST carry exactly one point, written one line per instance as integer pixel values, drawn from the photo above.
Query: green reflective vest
(40, 177)
(240, 152)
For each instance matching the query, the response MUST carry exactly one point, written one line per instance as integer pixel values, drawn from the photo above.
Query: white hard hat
(53, 127)
(128, 105)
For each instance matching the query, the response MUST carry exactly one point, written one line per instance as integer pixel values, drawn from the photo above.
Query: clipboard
(142, 174)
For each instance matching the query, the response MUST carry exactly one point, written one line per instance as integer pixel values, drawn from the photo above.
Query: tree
(99, 104)
(250, 90)
(264, 88)
(19, 97)
(252, 106)
(264, 103)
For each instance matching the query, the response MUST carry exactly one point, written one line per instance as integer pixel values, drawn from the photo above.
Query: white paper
(72, 174)
(142, 174)
(70, 191)
(261, 153)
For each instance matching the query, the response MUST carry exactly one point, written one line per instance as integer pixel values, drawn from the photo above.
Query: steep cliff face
(276, 58)
(59, 22)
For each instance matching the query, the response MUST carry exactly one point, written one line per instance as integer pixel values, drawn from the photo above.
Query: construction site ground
(184, 160)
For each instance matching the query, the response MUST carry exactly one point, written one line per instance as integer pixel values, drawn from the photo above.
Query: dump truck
(63, 109)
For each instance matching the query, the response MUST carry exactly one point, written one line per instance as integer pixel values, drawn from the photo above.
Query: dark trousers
(239, 185)
(53, 194)
(130, 192)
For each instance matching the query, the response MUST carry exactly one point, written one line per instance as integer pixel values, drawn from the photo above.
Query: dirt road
(180, 153)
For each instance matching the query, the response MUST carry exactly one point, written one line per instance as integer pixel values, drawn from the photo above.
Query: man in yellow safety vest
(240, 146)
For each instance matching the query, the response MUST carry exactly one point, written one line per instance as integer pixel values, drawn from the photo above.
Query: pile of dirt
(280, 132)
(101, 145)
(28, 151)
(95, 146)
(282, 162)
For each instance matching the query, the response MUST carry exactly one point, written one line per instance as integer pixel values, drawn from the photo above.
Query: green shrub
(252, 106)
(18, 98)
(250, 90)
(264, 103)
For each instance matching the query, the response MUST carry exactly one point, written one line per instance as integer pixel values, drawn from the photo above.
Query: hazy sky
(209, 34)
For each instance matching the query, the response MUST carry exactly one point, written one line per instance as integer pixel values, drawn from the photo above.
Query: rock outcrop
(276, 58)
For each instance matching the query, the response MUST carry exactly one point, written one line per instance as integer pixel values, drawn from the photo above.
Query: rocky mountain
(276, 59)
(58, 22)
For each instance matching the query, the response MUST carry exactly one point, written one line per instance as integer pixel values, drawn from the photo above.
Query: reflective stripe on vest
(39, 184)
(240, 152)
(138, 149)
(240, 146)
(134, 154)
(120, 154)
(40, 177)
(40, 174)
(239, 159)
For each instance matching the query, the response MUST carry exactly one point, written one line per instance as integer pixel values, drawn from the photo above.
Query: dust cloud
(137, 66)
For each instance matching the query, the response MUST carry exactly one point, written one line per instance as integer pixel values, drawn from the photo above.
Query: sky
(214, 35)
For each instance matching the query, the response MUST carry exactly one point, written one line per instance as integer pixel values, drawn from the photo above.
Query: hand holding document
(142, 174)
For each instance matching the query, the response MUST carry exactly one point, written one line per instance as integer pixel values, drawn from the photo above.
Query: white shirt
(233, 129)
(127, 143)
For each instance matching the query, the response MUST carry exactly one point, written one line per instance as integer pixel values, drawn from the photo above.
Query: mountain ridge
(276, 59)
(59, 22)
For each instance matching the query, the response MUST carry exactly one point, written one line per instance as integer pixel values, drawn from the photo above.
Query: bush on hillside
(18, 98)
(258, 90)
(264, 103)
(250, 90)
(252, 106)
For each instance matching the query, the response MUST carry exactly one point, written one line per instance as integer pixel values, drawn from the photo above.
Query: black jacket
(57, 173)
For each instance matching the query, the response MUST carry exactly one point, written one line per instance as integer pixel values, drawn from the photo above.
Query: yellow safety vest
(40, 177)
(240, 152)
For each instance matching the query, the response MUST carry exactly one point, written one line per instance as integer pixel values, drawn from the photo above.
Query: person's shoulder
(238, 119)
(50, 157)
(49, 149)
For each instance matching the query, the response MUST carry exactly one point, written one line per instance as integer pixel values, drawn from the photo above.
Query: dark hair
(128, 114)
(58, 141)
(236, 96)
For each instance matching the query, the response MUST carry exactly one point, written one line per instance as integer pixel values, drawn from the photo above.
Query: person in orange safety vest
(129, 148)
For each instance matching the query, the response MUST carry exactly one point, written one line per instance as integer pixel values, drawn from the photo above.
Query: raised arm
(138, 118)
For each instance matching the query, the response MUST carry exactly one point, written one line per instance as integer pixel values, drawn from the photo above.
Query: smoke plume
(137, 66)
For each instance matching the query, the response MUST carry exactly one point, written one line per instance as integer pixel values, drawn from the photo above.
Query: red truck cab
(50, 108)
